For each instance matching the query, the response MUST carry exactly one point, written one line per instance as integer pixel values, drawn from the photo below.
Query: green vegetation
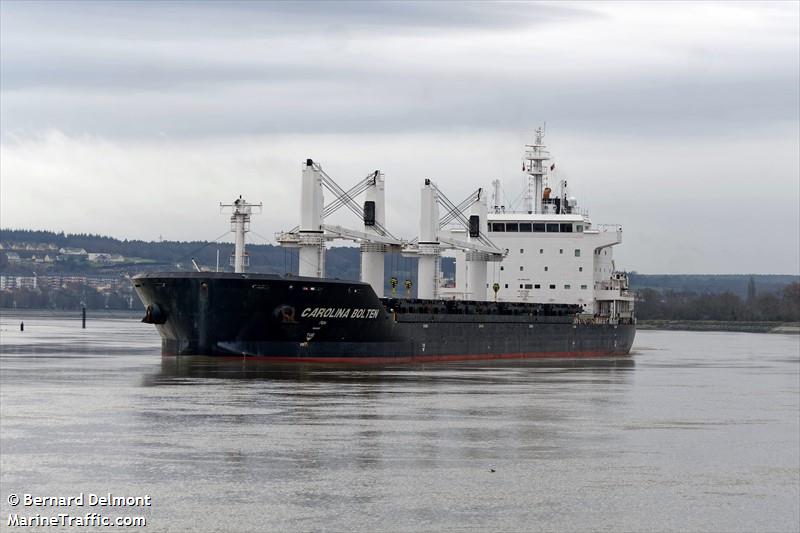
(163, 255)
(719, 325)
(676, 298)
(738, 284)
(783, 306)
(69, 297)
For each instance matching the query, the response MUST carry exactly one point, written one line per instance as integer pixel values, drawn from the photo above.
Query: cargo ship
(532, 281)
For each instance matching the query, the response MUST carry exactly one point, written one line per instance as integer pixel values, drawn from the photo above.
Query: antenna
(535, 155)
(496, 196)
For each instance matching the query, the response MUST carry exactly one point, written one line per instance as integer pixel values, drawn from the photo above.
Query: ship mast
(535, 155)
(496, 197)
(240, 224)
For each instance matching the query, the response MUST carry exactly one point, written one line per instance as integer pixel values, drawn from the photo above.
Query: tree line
(68, 298)
(667, 297)
(780, 306)
(651, 304)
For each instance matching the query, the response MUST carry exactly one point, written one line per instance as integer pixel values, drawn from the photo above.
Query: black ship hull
(310, 320)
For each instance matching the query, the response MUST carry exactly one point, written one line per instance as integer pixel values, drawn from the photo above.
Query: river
(696, 431)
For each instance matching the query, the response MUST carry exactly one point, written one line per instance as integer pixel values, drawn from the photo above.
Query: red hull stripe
(383, 360)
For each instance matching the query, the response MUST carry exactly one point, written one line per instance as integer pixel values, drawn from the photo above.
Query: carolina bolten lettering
(338, 312)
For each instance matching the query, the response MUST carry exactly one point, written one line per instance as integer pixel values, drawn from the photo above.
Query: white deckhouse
(553, 253)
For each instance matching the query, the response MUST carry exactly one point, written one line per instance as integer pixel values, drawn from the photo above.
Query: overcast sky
(680, 121)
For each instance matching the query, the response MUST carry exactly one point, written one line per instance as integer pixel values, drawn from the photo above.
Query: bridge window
(541, 250)
(528, 286)
(522, 250)
(577, 252)
(561, 250)
(567, 286)
(498, 226)
(566, 228)
(521, 269)
(580, 269)
(579, 228)
(552, 228)
(552, 286)
(545, 269)
(583, 287)
(512, 226)
(538, 228)
(520, 285)
(502, 267)
(506, 285)
(537, 286)
(525, 226)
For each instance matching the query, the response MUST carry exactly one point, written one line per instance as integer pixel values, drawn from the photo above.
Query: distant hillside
(341, 262)
(712, 283)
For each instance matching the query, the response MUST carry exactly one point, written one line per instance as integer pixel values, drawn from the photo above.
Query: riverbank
(720, 325)
(674, 325)
(96, 313)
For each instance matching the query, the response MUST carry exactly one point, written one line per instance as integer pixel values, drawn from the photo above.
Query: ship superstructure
(552, 250)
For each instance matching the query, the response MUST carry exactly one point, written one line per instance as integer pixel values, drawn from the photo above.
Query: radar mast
(240, 224)
(535, 156)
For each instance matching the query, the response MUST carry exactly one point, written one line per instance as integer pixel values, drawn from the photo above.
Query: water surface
(696, 431)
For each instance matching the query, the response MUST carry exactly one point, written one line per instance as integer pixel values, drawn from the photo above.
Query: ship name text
(338, 312)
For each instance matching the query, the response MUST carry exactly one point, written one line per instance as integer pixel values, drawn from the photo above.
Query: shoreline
(664, 325)
(6, 313)
(720, 325)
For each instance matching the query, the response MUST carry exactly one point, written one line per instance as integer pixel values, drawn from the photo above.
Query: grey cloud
(346, 101)
(125, 73)
(159, 45)
(429, 14)
(134, 69)
(198, 98)
(237, 20)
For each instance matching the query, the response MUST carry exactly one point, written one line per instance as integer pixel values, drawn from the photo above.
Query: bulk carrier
(538, 281)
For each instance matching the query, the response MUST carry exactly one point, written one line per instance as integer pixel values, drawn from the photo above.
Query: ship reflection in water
(696, 431)
(175, 368)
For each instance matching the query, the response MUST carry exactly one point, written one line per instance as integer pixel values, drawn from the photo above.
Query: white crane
(376, 240)
(427, 248)
(312, 233)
